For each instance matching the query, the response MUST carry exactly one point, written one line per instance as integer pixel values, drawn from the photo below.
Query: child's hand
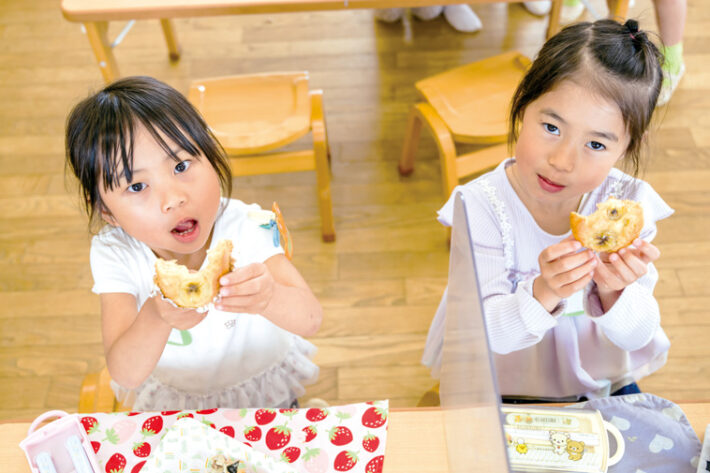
(176, 317)
(563, 271)
(620, 269)
(247, 289)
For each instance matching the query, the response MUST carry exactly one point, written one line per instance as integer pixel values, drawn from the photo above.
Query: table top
(410, 432)
(110, 10)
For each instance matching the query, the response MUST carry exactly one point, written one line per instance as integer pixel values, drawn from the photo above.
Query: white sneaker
(670, 83)
(462, 18)
(389, 15)
(427, 13)
(570, 13)
(539, 7)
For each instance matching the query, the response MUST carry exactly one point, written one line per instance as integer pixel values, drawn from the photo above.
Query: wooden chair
(96, 394)
(468, 104)
(254, 114)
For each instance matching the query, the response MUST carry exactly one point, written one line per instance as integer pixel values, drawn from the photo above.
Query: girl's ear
(107, 217)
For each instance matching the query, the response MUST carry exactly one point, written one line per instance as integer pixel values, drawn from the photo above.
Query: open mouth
(184, 227)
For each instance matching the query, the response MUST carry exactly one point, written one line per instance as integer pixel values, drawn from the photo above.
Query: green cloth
(673, 57)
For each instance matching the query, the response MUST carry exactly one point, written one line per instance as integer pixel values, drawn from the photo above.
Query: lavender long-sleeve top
(551, 355)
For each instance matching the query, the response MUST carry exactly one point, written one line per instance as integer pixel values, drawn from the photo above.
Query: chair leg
(445, 144)
(411, 142)
(430, 398)
(88, 393)
(96, 394)
(322, 164)
(618, 9)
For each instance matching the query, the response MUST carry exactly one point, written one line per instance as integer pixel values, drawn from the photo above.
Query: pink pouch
(53, 439)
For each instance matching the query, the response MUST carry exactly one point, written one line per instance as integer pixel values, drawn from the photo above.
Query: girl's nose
(173, 198)
(562, 159)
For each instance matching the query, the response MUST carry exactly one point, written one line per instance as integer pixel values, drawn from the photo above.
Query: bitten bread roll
(193, 289)
(615, 224)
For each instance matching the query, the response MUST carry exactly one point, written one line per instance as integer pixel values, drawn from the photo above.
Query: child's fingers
(624, 272)
(242, 274)
(578, 285)
(575, 274)
(244, 288)
(557, 250)
(632, 259)
(648, 252)
(605, 276)
(237, 304)
(571, 261)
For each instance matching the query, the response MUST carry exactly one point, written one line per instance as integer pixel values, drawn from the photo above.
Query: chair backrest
(254, 113)
(474, 99)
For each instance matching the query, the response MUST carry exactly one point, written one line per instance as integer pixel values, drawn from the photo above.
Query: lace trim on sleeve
(501, 214)
(615, 189)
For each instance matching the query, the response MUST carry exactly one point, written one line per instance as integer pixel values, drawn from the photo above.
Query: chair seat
(474, 100)
(254, 113)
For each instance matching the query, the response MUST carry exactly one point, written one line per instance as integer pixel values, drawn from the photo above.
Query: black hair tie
(633, 27)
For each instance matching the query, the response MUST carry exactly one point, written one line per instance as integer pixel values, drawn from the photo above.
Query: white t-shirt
(578, 350)
(228, 359)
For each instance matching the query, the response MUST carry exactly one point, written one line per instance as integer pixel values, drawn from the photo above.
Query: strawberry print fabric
(312, 440)
(189, 444)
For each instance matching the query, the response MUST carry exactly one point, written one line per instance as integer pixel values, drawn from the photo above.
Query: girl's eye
(182, 166)
(137, 187)
(550, 128)
(596, 146)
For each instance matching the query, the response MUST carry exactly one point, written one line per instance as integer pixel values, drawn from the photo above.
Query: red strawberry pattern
(316, 414)
(277, 437)
(116, 463)
(90, 424)
(141, 449)
(370, 442)
(345, 460)
(340, 435)
(138, 467)
(375, 465)
(152, 426)
(311, 440)
(311, 433)
(227, 430)
(252, 433)
(290, 454)
(264, 416)
(374, 417)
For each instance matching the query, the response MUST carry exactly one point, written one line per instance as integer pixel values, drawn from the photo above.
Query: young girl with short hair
(151, 170)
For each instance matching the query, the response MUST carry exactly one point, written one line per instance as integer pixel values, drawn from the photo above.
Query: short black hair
(617, 61)
(100, 133)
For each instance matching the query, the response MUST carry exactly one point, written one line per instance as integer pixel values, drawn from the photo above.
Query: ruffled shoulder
(623, 186)
(479, 194)
(276, 386)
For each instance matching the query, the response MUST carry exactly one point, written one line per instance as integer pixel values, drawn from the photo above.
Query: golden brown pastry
(615, 224)
(193, 289)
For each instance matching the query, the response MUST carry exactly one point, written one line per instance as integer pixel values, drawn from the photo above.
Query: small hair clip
(285, 234)
(274, 220)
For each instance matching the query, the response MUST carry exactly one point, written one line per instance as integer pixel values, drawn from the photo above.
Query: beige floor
(381, 281)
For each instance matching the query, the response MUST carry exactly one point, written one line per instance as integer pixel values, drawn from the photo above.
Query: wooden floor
(381, 281)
